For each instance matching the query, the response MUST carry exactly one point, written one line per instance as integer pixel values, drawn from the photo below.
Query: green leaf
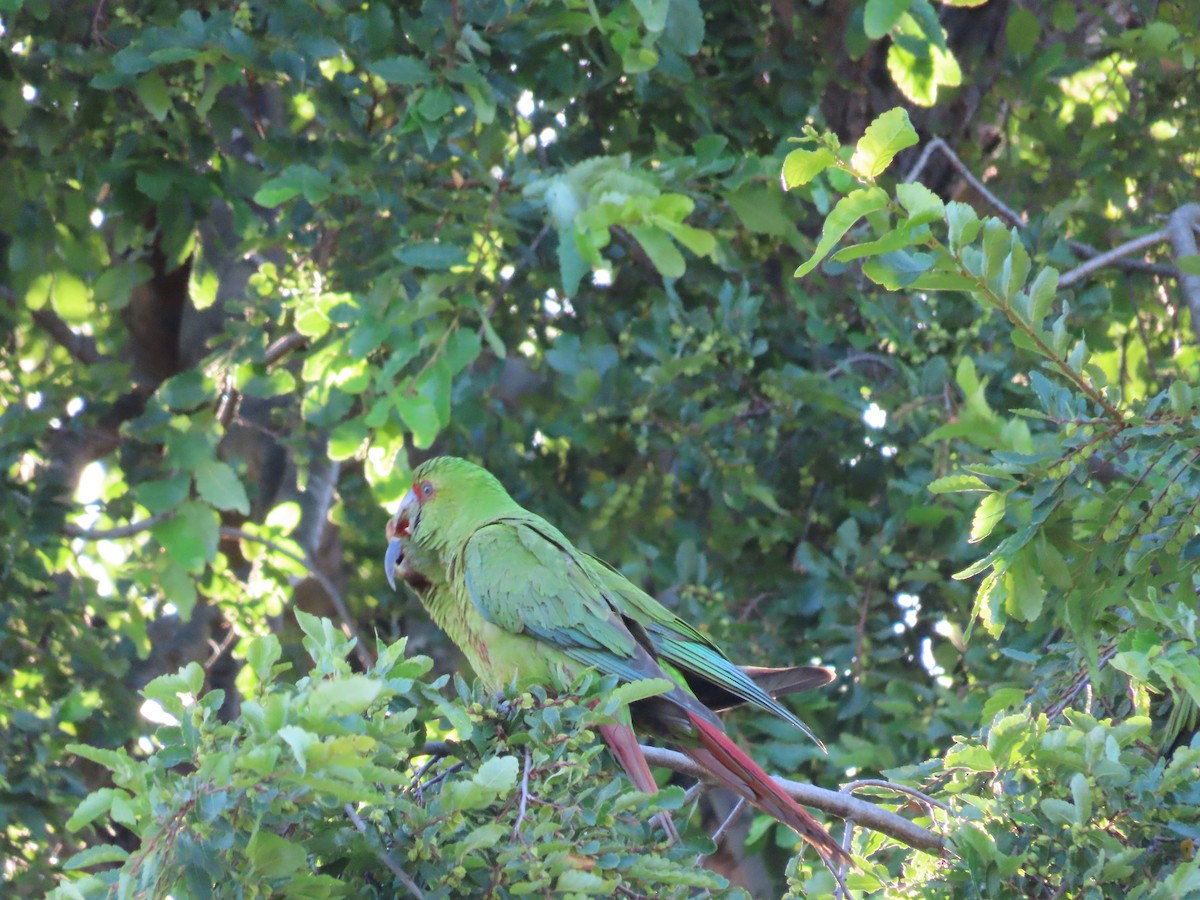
(632, 691)
(849, 210)
(347, 695)
(91, 807)
(431, 255)
(699, 241)
(178, 587)
(1058, 811)
(890, 242)
(114, 286)
(988, 515)
(971, 757)
(897, 269)
(884, 138)
(1026, 594)
(663, 253)
(949, 484)
(1081, 794)
(571, 265)
(1042, 293)
(152, 91)
(402, 70)
(96, 855)
(999, 700)
(298, 180)
(420, 416)
(653, 13)
(190, 537)
(299, 741)
(880, 15)
(217, 483)
(497, 775)
(435, 104)
(484, 837)
(802, 166)
(1022, 31)
(263, 653)
(186, 391)
(580, 881)
(922, 204)
(1015, 269)
(760, 209)
(276, 857)
(348, 438)
(964, 224)
(997, 242)
(71, 298)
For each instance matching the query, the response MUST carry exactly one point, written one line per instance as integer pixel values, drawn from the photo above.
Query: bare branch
(968, 176)
(1183, 243)
(335, 596)
(724, 826)
(1109, 257)
(280, 348)
(892, 786)
(394, 867)
(1182, 222)
(113, 534)
(844, 806)
(81, 347)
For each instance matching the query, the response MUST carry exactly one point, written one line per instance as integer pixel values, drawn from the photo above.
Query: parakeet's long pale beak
(397, 530)
(395, 552)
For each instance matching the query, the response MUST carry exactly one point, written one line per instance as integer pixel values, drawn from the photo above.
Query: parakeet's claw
(391, 559)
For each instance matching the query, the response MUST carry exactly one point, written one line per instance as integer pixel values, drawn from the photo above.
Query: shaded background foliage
(258, 260)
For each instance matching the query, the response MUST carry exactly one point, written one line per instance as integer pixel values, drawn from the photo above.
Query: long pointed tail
(624, 746)
(730, 765)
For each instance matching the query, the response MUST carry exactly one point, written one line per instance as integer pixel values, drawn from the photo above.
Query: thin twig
(1099, 260)
(335, 596)
(524, 798)
(219, 649)
(892, 786)
(835, 803)
(968, 176)
(114, 534)
(723, 827)
(394, 867)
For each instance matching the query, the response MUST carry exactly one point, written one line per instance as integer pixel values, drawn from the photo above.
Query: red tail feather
(624, 746)
(730, 765)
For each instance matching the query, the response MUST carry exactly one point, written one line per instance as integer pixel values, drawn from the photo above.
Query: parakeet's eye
(426, 490)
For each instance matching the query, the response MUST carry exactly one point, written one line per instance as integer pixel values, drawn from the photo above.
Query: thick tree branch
(1110, 257)
(1181, 229)
(861, 813)
(840, 804)
(81, 347)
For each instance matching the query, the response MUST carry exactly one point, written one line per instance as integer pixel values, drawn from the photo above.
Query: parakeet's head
(449, 499)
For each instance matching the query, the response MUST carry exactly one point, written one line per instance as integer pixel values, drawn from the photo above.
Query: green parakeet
(521, 602)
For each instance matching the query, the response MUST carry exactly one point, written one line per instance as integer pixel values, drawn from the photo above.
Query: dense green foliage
(258, 260)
